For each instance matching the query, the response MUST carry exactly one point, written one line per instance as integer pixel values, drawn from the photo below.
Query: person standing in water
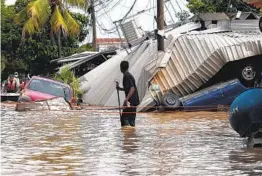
(128, 115)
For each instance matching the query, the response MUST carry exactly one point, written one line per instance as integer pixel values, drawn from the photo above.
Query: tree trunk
(59, 43)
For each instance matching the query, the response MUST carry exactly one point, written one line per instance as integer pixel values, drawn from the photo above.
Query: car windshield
(49, 87)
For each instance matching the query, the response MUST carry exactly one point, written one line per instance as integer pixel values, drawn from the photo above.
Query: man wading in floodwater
(128, 115)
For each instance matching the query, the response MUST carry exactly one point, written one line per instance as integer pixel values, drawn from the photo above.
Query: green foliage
(39, 13)
(34, 53)
(210, 6)
(82, 21)
(200, 6)
(83, 48)
(182, 16)
(67, 76)
(3, 63)
(10, 39)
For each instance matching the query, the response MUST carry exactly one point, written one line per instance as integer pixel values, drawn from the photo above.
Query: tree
(36, 15)
(35, 53)
(182, 16)
(85, 47)
(68, 77)
(10, 39)
(210, 6)
(200, 6)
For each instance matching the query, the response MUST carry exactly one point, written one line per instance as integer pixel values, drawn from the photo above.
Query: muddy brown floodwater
(92, 143)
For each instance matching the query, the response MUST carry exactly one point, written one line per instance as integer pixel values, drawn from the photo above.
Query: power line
(129, 10)
(114, 6)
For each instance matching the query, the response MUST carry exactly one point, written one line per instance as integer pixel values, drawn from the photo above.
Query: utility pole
(93, 17)
(160, 24)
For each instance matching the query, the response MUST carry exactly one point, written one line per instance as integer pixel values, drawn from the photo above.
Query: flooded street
(92, 143)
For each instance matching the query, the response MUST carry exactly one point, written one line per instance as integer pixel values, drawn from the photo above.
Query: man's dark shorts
(128, 116)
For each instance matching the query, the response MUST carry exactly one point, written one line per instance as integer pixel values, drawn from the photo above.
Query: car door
(231, 91)
(208, 97)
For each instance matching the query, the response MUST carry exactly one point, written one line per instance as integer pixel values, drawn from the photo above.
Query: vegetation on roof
(211, 6)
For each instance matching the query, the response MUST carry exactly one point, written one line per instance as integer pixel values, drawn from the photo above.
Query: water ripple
(60, 143)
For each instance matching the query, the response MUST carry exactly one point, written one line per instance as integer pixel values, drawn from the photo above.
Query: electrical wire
(129, 10)
(114, 6)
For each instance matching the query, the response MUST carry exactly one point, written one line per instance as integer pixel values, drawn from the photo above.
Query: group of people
(13, 84)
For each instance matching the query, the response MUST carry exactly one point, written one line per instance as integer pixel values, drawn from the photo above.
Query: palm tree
(38, 13)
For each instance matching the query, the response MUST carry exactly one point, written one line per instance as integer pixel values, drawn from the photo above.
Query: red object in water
(39, 88)
(11, 84)
(22, 85)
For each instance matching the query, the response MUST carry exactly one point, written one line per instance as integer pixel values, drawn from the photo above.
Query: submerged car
(219, 95)
(213, 97)
(39, 88)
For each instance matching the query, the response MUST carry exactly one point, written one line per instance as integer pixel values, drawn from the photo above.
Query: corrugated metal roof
(75, 56)
(197, 57)
(251, 26)
(183, 29)
(219, 29)
(84, 59)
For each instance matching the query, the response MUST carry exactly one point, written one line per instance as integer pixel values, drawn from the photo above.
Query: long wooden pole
(160, 23)
(93, 16)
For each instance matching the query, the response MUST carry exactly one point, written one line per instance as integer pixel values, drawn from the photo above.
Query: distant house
(238, 22)
(212, 20)
(104, 44)
(243, 16)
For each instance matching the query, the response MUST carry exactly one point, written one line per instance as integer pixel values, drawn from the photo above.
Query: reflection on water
(60, 143)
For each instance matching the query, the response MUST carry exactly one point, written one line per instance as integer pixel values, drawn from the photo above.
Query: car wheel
(249, 75)
(24, 99)
(170, 100)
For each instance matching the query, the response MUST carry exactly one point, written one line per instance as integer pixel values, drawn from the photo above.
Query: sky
(115, 10)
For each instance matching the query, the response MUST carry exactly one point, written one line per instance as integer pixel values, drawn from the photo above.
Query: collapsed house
(190, 60)
(192, 57)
